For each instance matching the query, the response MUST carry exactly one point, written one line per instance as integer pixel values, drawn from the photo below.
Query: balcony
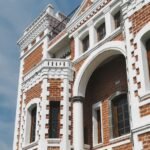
(50, 67)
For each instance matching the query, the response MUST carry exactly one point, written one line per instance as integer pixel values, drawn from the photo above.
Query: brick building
(84, 82)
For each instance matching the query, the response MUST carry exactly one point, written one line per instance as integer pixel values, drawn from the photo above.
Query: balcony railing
(48, 64)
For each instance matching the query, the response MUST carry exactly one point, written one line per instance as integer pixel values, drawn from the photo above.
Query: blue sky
(15, 16)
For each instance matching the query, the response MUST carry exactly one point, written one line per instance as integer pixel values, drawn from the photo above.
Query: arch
(93, 61)
(33, 103)
(140, 38)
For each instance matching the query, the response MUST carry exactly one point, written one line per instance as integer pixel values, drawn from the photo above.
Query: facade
(84, 82)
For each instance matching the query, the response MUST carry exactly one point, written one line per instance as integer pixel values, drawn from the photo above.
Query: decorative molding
(52, 68)
(97, 45)
(47, 20)
(97, 7)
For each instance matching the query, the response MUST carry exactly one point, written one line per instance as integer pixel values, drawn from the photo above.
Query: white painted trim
(110, 48)
(110, 147)
(33, 102)
(18, 111)
(142, 63)
(97, 45)
(94, 123)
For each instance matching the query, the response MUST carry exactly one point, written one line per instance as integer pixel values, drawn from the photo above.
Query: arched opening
(31, 121)
(145, 46)
(108, 78)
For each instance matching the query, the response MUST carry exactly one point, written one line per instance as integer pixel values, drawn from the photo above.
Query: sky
(15, 16)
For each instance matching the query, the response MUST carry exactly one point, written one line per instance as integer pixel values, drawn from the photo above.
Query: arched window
(120, 116)
(147, 45)
(33, 124)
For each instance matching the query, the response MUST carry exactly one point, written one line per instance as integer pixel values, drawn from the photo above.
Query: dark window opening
(117, 19)
(99, 125)
(54, 120)
(33, 125)
(86, 135)
(101, 32)
(148, 53)
(85, 43)
(120, 114)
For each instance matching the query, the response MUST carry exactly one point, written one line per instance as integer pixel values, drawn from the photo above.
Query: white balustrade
(48, 64)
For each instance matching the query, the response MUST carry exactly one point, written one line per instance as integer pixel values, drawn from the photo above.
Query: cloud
(15, 16)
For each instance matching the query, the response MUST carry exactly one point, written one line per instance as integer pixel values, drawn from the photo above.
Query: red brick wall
(145, 110)
(33, 59)
(100, 87)
(72, 48)
(140, 18)
(118, 37)
(34, 92)
(124, 147)
(145, 139)
(53, 148)
(78, 65)
(55, 90)
(55, 39)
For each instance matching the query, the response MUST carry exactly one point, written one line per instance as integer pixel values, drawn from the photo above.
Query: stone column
(78, 138)
(108, 21)
(77, 46)
(92, 34)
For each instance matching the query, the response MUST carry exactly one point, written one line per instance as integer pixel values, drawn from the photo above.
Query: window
(99, 125)
(85, 43)
(97, 129)
(148, 53)
(117, 19)
(101, 32)
(120, 116)
(33, 125)
(54, 120)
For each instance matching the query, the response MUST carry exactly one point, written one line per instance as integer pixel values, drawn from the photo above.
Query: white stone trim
(138, 145)
(65, 144)
(43, 121)
(27, 125)
(110, 147)
(52, 68)
(18, 111)
(142, 63)
(114, 47)
(84, 17)
(97, 45)
(94, 121)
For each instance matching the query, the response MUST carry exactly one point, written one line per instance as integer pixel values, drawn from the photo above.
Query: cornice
(46, 20)
(85, 16)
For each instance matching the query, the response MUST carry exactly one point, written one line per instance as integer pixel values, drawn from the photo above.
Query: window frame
(116, 26)
(111, 119)
(57, 103)
(98, 29)
(33, 115)
(33, 103)
(95, 107)
(147, 48)
(85, 40)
